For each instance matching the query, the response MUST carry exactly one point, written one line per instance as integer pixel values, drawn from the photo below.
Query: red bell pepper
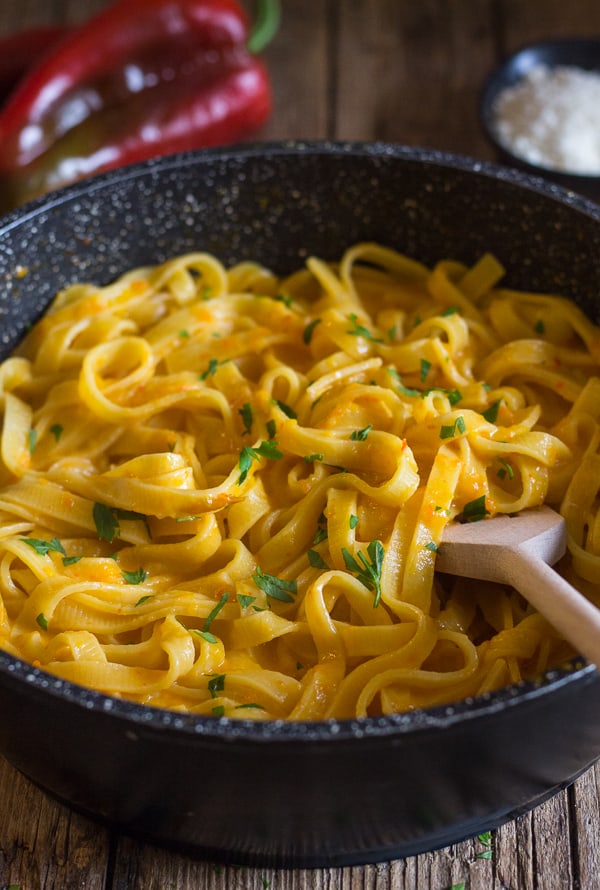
(20, 52)
(140, 79)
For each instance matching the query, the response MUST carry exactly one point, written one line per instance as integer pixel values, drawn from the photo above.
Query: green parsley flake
(214, 612)
(143, 599)
(45, 547)
(316, 560)
(475, 510)
(539, 327)
(361, 435)
(265, 449)
(449, 431)
(271, 428)
(206, 635)
(213, 364)
(107, 525)
(321, 533)
(367, 568)
(32, 440)
(71, 560)
(245, 600)
(432, 546)
(57, 430)
(136, 577)
(42, 621)
(505, 470)
(491, 414)
(247, 416)
(311, 458)
(353, 522)
(309, 330)
(425, 368)
(289, 412)
(275, 588)
(358, 330)
(216, 685)
(218, 711)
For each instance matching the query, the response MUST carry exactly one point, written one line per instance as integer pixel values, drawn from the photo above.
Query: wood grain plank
(413, 73)
(585, 800)
(300, 62)
(45, 846)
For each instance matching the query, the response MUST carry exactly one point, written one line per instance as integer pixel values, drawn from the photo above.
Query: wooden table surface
(406, 71)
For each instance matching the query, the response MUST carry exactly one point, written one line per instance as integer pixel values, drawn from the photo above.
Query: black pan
(323, 793)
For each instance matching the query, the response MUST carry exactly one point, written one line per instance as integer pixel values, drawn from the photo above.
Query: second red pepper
(140, 79)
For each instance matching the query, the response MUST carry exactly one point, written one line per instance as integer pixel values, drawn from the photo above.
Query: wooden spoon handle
(567, 610)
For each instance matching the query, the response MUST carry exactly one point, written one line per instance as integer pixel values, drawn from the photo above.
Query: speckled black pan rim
(265, 150)
(575, 673)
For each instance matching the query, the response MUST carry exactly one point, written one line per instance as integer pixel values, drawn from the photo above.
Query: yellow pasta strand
(223, 491)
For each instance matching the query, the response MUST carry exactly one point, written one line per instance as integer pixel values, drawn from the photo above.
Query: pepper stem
(266, 24)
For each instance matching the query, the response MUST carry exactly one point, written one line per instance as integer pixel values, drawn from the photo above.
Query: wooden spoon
(520, 550)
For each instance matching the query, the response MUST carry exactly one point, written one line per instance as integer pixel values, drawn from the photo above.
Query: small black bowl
(583, 53)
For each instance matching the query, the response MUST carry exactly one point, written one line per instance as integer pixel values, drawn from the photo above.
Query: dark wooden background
(407, 71)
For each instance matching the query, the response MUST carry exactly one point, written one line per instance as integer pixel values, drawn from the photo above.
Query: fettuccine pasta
(223, 492)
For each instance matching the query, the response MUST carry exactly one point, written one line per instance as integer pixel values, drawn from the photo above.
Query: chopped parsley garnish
(265, 449)
(32, 440)
(405, 390)
(245, 600)
(367, 568)
(247, 416)
(136, 577)
(353, 522)
(491, 414)
(271, 428)
(275, 588)
(505, 470)
(539, 327)
(249, 706)
(184, 334)
(44, 547)
(218, 711)
(57, 430)
(316, 560)
(107, 518)
(475, 510)
(107, 524)
(425, 368)
(285, 299)
(216, 684)
(311, 458)
(432, 546)
(206, 635)
(213, 364)
(451, 310)
(42, 621)
(359, 330)
(454, 395)
(143, 599)
(486, 839)
(289, 412)
(213, 614)
(361, 435)
(71, 560)
(309, 330)
(321, 533)
(449, 431)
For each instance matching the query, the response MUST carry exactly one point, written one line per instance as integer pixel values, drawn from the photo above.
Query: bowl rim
(17, 672)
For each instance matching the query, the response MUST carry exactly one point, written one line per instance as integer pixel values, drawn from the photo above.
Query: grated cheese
(552, 119)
